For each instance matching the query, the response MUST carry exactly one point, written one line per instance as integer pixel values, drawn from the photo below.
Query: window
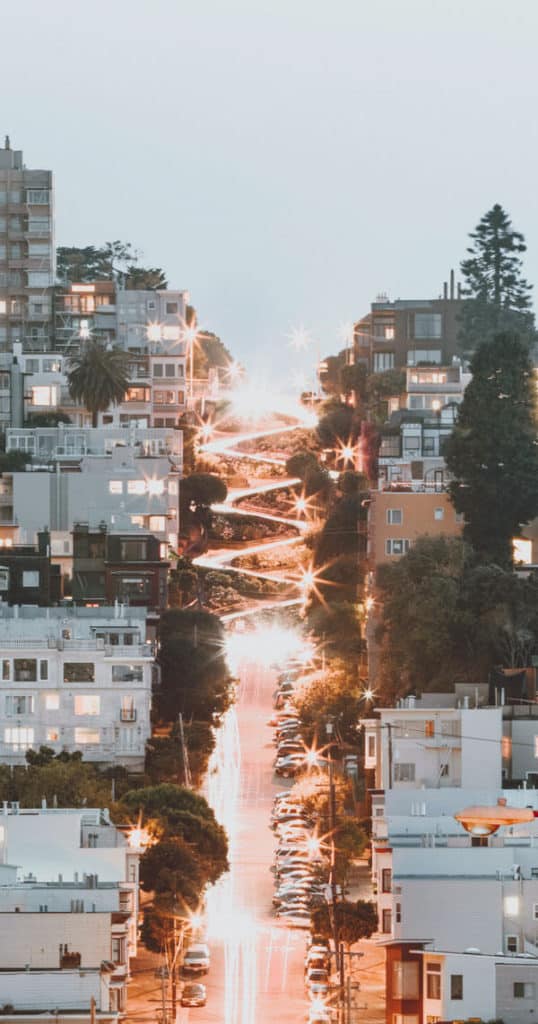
(52, 701)
(512, 944)
(115, 486)
(157, 523)
(371, 746)
(87, 704)
(433, 980)
(6, 669)
(171, 333)
(383, 361)
(444, 770)
(404, 772)
(53, 734)
(164, 397)
(438, 513)
(170, 370)
(127, 673)
(524, 989)
(428, 325)
(83, 735)
(394, 516)
(387, 921)
(137, 395)
(116, 951)
(79, 672)
(171, 308)
(511, 906)
(456, 986)
(423, 355)
(38, 196)
(3, 307)
(157, 369)
(133, 550)
(428, 445)
(386, 880)
(30, 578)
(45, 394)
(25, 670)
(127, 710)
(4, 579)
(411, 444)
(405, 980)
(19, 705)
(398, 913)
(429, 728)
(396, 547)
(136, 487)
(173, 487)
(19, 737)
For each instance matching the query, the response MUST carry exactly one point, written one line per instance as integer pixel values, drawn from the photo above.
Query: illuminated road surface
(256, 974)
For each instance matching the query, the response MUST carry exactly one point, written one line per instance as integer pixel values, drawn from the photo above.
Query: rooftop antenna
(7, 142)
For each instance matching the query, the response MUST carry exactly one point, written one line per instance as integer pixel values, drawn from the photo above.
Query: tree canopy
(195, 678)
(98, 377)
(447, 618)
(493, 452)
(115, 260)
(354, 921)
(496, 295)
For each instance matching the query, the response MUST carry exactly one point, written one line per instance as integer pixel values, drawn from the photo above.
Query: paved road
(256, 975)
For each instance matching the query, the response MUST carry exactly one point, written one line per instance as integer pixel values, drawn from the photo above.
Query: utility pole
(338, 951)
(92, 1010)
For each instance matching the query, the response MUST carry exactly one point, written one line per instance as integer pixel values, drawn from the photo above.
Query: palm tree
(98, 377)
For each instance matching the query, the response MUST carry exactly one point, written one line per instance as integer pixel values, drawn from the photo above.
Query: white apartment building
(146, 318)
(75, 679)
(94, 477)
(65, 943)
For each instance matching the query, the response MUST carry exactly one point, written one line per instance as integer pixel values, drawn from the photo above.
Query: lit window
(155, 486)
(171, 333)
(30, 578)
(163, 550)
(19, 737)
(137, 520)
(87, 704)
(522, 550)
(3, 307)
(44, 394)
(53, 735)
(536, 746)
(506, 747)
(52, 701)
(157, 523)
(115, 487)
(83, 735)
(433, 980)
(511, 906)
(136, 487)
(389, 333)
(396, 547)
(439, 513)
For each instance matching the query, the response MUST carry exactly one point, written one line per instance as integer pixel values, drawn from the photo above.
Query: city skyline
(262, 118)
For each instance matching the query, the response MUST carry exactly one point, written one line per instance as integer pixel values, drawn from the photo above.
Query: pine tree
(493, 451)
(497, 296)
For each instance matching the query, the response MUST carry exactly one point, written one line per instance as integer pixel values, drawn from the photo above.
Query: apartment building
(27, 574)
(409, 332)
(154, 318)
(68, 922)
(27, 254)
(126, 565)
(83, 311)
(102, 475)
(76, 679)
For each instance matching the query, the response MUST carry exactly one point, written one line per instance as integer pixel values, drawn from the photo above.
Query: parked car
(197, 959)
(193, 995)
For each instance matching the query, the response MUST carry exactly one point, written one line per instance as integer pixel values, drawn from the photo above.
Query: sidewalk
(368, 970)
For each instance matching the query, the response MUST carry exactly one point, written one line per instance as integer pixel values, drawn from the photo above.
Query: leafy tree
(150, 279)
(492, 452)
(98, 377)
(354, 921)
(86, 263)
(62, 778)
(379, 388)
(332, 694)
(497, 297)
(170, 867)
(338, 424)
(301, 464)
(445, 617)
(195, 676)
(11, 462)
(204, 489)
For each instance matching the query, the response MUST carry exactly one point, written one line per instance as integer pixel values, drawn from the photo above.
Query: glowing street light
(154, 332)
(368, 694)
(234, 371)
(139, 838)
(84, 330)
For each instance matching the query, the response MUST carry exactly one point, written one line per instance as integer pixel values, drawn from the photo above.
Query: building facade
(27, 254)
(76, 679)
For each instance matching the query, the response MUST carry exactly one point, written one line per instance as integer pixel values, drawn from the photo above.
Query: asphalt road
(256, 974)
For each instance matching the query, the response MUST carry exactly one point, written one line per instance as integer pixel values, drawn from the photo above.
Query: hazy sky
(285, 161)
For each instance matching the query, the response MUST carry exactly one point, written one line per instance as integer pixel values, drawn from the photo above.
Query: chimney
(451, 284)
(459, 290)
(445, 290)
(7, 142)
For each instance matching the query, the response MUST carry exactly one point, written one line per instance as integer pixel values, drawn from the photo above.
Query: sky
(283, 160)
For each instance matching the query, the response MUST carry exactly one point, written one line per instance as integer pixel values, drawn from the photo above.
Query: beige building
(397, 518)
(27, 256)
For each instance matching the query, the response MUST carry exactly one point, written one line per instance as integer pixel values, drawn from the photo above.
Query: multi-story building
(84, 311)
(409, 332)
(150, 318)
(398, 517)
(68, 913)
(126, 565)
(27, 574)
(27, 254)
(93, 475)
(76, 679)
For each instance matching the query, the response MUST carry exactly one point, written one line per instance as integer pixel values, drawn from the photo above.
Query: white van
(197, 959)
